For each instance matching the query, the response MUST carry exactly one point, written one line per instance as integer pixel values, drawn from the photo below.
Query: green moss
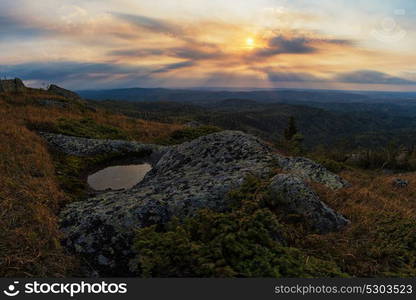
(331, 165)
(88, 128)
(394, 246)
(244, 242)
(188, 134)
(85, 127)
(72, 171)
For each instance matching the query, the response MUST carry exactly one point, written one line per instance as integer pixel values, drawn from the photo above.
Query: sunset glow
(250, 42)
(259, 43)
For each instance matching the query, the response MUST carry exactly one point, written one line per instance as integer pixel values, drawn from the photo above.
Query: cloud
(371, 77)
(361, 77)
(292, 77)
(137, 52)
(61, 71)
(17, 28)
(152, 24)
(195, 54)
(280, 45)
(78, 75)
(189, 53)
(68, 71)
(173, 67)
(296, 45)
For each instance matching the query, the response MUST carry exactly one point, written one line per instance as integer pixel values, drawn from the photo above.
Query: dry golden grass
(380, 241)
(30, 196)
(15, 106)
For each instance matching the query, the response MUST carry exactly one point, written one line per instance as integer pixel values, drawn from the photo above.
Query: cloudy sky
(94, 44)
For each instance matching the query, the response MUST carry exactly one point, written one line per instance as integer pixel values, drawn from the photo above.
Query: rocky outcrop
(400, 183)
(187, 178)
(88, 147)
(53, 103)
(193, 124)
(12, 86)
(63, 92)
(295, 196)
(310, 170)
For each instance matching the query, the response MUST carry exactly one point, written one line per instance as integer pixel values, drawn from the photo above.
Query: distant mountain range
(269, 96)
(361, 124)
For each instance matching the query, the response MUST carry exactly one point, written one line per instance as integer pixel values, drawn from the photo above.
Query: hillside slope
(360, 125)
(30, 190)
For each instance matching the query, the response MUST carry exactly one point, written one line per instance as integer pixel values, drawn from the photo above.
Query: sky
(101, 44)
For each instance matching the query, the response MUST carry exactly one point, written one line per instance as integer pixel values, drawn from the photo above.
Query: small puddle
(118, 177)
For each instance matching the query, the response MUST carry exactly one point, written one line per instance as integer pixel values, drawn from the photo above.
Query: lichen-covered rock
(53, 103)
(12, 86)
(193, 124)
(295, 196)
(310, 170)
(63, 92)
(400, 183)
(187, 178)
(87, 147)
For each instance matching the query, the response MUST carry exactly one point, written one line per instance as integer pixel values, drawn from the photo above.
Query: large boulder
(296, 197)
(63, 92)
(187, 178)
(312, 171)
(79, 146)
(12, 86)
(400, 183)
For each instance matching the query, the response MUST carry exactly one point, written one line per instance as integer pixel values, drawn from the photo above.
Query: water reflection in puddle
(118, 177)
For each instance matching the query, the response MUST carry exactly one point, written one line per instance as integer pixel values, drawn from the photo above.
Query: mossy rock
(188, 134)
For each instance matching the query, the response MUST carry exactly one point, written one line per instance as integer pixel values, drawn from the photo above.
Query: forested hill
(359, 124)
(272, 96)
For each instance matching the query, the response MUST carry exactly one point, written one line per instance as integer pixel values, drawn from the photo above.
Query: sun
(250, 42)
